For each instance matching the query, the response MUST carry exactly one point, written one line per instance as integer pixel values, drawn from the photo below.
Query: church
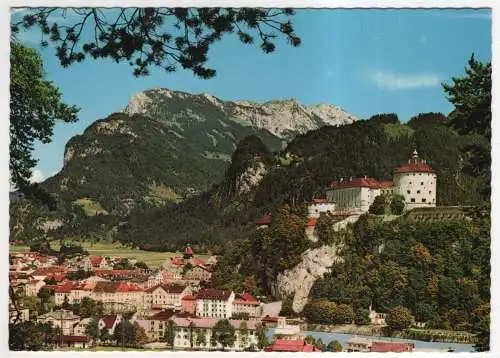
(414, 180)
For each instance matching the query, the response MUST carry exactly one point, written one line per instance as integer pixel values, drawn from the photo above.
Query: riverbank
(429, 335)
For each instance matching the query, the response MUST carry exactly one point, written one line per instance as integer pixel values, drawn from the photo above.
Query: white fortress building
(415, 181)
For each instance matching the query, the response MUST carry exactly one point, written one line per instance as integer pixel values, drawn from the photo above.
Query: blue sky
(366, 61)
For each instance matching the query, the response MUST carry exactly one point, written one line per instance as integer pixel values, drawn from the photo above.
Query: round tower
(416, 182)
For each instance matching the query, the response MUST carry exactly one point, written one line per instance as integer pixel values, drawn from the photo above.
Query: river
(327, 337)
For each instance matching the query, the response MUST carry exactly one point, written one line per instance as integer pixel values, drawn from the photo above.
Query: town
(116, 302)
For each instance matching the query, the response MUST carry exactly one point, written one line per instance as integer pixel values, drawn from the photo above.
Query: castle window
(408, 192)
(430, 192)
(410, 183)
(421, 183)
(423, 200)
(418, 191)
(412, 200)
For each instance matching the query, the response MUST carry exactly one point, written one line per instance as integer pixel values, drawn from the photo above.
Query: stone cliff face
(298, 281)
(283, 118)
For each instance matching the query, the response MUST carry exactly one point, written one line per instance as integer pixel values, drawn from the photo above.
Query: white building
(62, 318)
(355, 195)
(245, 332)
(246, 303)
(166, 296)
(318, 206)
(416, 182)
(214, 303)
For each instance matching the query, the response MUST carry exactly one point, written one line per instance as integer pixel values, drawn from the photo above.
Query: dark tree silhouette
(163, 37)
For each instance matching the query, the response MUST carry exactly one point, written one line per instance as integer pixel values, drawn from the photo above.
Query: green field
(152, 259)
(90, 207)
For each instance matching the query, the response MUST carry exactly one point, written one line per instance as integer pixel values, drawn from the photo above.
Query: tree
(243, 334)
(123, 264)
(225, 333)
(140, 334)
(35, 106)
(471, 96)
(361, 317)
(92, 330)
(378, 205)
(399, 318)
(397, 204)
(104, 335)
(241, 315)
(66, 304)
(25, 336)
(262, 341)
(141, 265)
(124, 332)
(334, 346)
(201, 337)
(169, 334)
(162, 37)
(481, 325)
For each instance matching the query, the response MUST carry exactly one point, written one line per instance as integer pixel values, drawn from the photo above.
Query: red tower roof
(188, 251)
(414, 165)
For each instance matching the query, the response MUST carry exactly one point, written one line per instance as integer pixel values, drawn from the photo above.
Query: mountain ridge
(282, 117)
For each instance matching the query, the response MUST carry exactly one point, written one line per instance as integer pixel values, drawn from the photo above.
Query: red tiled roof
(397, 347)
(414, 165)
(264, 220)
(319, 201)
(96, 260)
(65, 288)
(170, 288)
(270, 319)
(198, 262)
(291, 345)
(189, 298)
(75, 339)
(109, 321)
(188, 251)
(312, 222)
(213, 294)
(359, 183)
(162, 315)
(49, 270)
(57, 277)
(177, 261)
(247, 297)
(385, 184)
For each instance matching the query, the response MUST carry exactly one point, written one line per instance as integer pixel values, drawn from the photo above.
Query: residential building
(246, 303)
(80, 327)
(61, 318)
(291, 345)
(214, 303)
(74, 341)
(199, 273)
(33, 287)
(109, 322)
(188, 304)
(166, 296)
(245, 332)
(118, 292)
(396, 347)
(357, 344)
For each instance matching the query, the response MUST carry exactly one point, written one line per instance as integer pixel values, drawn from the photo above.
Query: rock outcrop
(298, 281)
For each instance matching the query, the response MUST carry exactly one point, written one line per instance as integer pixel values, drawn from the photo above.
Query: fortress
(415, 181)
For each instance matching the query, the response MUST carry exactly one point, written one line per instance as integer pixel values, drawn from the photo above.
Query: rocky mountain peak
(282, 117)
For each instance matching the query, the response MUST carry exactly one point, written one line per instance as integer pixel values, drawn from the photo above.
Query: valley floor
(103, 249)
